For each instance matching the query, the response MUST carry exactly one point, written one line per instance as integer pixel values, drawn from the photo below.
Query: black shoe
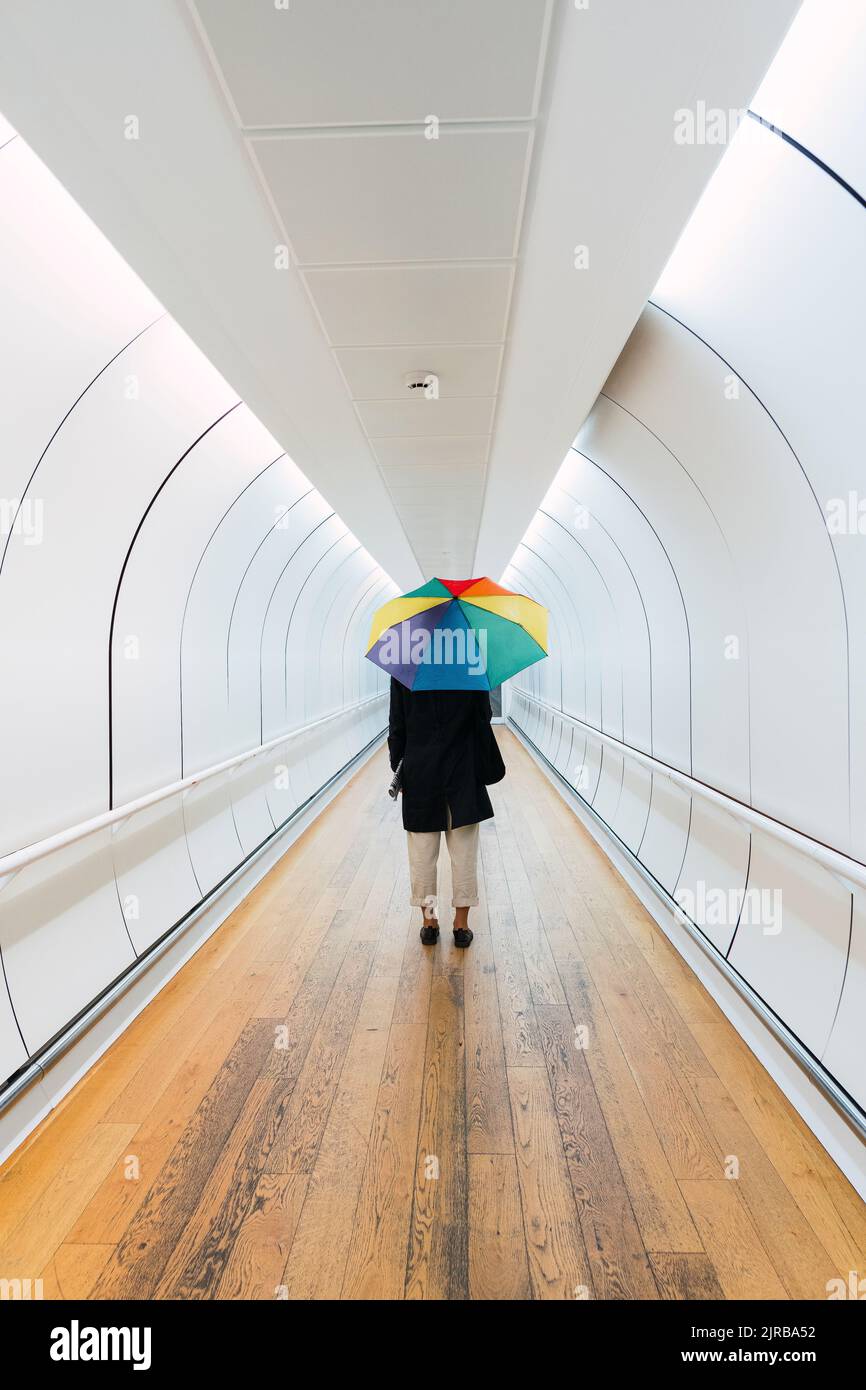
(430, 934)
(462, 936)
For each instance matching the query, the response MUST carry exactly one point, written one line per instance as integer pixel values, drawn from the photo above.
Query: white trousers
(424, 857)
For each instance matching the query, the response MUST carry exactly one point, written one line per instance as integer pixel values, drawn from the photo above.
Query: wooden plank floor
(318, 1107)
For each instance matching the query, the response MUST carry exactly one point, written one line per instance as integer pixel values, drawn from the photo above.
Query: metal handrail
(38, 1064)
(812, 1065)
(30, 854)
(832, 859)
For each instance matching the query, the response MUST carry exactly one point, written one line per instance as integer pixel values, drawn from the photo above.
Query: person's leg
(423, 859)
(463, 849)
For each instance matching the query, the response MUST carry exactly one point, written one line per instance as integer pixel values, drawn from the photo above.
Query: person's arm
(396, 725)
(490, 757)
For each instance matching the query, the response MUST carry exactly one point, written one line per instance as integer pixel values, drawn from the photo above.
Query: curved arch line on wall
(734, 572)
(640, 509)
(198, 566)
(297, 548)
(78, 399)
(541, 559)
(269, 532)
(123, 568)
(637, 590)
(795, 456)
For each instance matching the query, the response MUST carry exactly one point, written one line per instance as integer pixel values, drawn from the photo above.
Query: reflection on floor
(319, 1107)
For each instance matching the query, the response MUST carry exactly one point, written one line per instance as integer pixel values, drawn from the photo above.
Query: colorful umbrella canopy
(457, 634)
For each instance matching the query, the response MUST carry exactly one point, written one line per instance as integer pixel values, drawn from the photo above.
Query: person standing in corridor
(449, 755)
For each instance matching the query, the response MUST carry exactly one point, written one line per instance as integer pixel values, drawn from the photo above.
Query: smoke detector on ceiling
(423, 383)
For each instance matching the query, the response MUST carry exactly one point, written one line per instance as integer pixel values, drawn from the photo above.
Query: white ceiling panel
(446, 499)
(441, 505)
(377, 374)
(430, 476)
(613, 181)
(395, 196)
(462, 497)
(412, 303)
(301, 126)
(436, 559)
(338, 62)
(449, 525)
(447, 449)
(437, 527)
(455, 415)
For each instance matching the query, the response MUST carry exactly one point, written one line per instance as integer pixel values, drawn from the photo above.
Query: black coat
(438, 735)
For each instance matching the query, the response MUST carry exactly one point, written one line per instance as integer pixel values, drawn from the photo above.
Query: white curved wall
(692, 539)
(172, 592)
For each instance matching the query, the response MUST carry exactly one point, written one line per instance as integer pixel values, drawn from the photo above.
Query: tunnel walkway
(317, 1107)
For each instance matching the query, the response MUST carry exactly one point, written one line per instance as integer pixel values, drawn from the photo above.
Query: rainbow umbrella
(457, 634)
